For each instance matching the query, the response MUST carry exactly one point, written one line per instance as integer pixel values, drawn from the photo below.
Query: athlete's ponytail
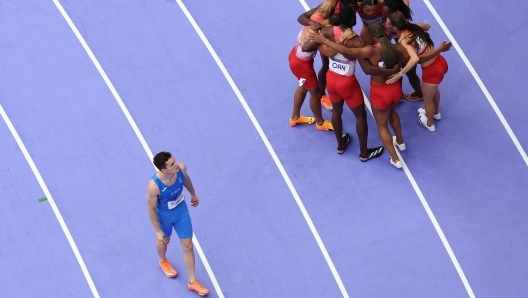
(391, 55)
(398, 20)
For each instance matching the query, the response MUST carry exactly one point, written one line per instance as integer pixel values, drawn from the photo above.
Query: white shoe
(396, 164)
(422, 119)
(400, 147)
(437, 116)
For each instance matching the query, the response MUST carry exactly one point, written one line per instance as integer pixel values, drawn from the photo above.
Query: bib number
(340, 67)
(174, 203)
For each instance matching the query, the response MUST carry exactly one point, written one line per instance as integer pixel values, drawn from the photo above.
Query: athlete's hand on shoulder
(324, 23)
(194, 200)
(348, 34)
(445, 46)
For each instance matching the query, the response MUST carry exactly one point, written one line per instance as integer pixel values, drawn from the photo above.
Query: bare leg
(414, 80)
(382, 118)
(361, 128)
(315, 105)
(161, 247)
(298, 100)
(337, 122)
(188, 258)
(437, 101)
(429, 92)
(394, 120)
(321, 76)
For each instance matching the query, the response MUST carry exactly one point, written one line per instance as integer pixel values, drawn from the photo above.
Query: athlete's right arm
(413, 59)
(304, 19)
(356, 53)
(152, 201)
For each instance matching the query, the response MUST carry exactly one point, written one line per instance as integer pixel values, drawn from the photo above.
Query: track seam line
(268, 146)
(134, 127)
(54, 207)
(423, 201)
(479, 81)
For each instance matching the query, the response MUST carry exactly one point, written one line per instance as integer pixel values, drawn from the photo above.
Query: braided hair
(399, 5)
(391, 55)
(398, 20)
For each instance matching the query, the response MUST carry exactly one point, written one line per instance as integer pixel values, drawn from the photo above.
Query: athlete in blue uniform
(167, 209)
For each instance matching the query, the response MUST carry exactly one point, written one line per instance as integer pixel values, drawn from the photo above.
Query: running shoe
(326, 103)
(400, 147)
(412, 97)
(346, 139)
(422, 119)
(167, 269)
(436, 116)
(372, 153)
(198, 288)
(397, 164)
(302, 120)
(327, 125)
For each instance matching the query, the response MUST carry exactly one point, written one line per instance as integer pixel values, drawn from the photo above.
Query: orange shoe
(302, 120)
(198, 288)
(327, 125)
(326, 103)
(167, 269)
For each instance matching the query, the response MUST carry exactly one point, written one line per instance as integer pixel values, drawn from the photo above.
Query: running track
(249, 225)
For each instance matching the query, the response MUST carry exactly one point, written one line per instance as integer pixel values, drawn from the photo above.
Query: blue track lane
(251, 230)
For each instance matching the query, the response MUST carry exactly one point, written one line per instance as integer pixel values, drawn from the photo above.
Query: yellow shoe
(198, 288)
(327, 125)
(302, 120)
(167, 269)
(326, 103)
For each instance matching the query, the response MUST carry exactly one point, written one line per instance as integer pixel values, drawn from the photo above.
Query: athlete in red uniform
(384, 97)
(301, 65)
(433, 65)
(343, 86)
(400, 6)
(318, 18)
(370, 11)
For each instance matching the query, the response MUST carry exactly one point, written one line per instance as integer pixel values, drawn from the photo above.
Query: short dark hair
(347, 16)
(160, 159)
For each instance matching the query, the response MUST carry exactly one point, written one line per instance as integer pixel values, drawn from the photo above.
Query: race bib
(174, 203)
(340, 67)
(302, 81)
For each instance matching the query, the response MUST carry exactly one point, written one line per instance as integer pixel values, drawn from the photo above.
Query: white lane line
(135, 128)
(423, 201)
(431, 216)
(479, 82)
(269, 147)
(52, 203)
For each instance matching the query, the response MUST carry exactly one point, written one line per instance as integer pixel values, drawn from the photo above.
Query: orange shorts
(382, 96)
(303, 70)
(434, 72)
(344, 88)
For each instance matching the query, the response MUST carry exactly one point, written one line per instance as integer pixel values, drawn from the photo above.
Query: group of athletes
(328, 29)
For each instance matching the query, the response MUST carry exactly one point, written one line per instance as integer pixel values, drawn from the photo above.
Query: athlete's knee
(166, 240)
(187, 245)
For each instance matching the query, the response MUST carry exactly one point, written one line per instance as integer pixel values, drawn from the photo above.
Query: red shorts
(434, 72)
(342, 87)
(303, 70)
(382, 96)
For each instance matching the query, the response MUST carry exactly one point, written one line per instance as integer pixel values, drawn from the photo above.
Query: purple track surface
(252, 232)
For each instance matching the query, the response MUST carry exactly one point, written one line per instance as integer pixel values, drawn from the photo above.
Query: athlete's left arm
(368, 68)
(188, 184)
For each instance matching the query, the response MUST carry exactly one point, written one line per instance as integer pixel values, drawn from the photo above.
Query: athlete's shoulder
(152, 188)
(355, 42)
(182, 166)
